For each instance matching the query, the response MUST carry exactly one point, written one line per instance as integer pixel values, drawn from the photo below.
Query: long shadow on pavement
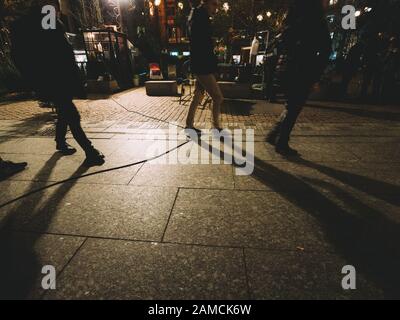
(362, 235)
(369, 240)
(382, 190)
(20, 267)
(28, 122)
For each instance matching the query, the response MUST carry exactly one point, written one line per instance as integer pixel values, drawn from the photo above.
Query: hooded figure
(306, 47)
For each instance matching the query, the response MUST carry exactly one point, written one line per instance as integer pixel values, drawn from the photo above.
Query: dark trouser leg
(68, 115)
(297, 97)
(275, 131)
(377, 85)
(346, 82)
(289, 118)
(367, 78)
(61, 126)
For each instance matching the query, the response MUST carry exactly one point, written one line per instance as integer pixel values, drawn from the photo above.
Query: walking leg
(210, 84)
(197, 98)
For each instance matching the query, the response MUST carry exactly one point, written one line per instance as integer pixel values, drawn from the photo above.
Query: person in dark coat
(391, 68)
(306, 44)
(351, 66)
(46, 60)
(204, 63)
(373, 60)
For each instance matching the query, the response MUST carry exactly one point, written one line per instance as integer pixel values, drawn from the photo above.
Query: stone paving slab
(387, 152)
(46, 146)
(183, 231)
(143, 149)
(56, 168)
(243, 219)
(304, 276)
(326, 152)
(298, 139)
(281, 175)
(297, 174)
(23, 255)
(105, 269)
(368, 177)
(209, 150)
(189, 176)
(122, 212)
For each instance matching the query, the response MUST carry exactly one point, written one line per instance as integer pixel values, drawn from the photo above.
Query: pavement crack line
(68, 262)
(170, 215)
(91, 174)
(102, 171)
(145, 115)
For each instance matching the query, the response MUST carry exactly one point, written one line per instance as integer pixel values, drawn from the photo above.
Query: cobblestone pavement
(174, 229)
(128, 106)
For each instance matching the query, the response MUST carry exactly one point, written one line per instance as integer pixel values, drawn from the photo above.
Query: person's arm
(292, 31)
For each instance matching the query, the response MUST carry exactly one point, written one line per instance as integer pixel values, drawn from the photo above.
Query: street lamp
(225, 7)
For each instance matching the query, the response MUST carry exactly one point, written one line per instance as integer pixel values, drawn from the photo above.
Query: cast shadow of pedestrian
(362, 235)
(37, 121)
(20, 231)
(382, 190)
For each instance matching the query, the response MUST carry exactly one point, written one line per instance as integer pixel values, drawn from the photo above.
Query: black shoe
(8, 168)
(94, 158)
(286, 151)
(65, 149)
(271, 139)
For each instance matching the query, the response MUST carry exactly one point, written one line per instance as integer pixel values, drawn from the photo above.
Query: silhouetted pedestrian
(391, 69)
(204, 61)
(46, 60)
(373, 66)
(307, 46)
(351, 66)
